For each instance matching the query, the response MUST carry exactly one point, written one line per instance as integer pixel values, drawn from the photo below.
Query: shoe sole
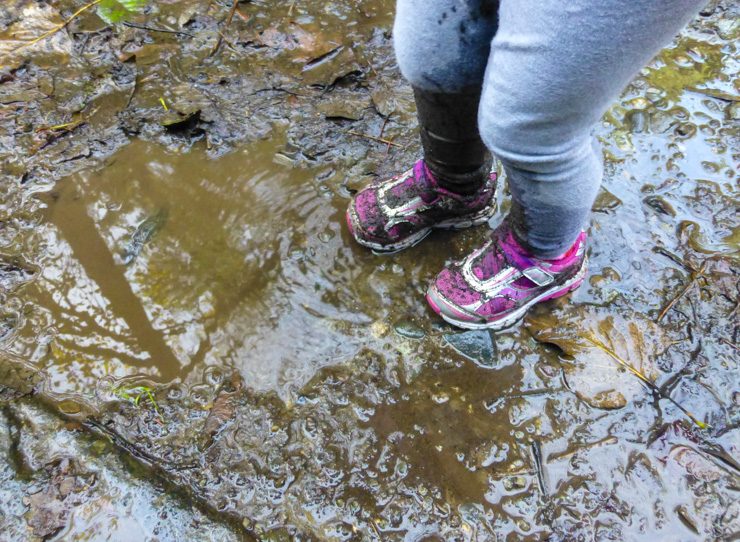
(459, 223)
(511, 319)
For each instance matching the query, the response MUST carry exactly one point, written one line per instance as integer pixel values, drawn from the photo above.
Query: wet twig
(382, 131)
(695, 275)
(222, 38)
(61, 25)
(245, 18)
(689, 368)
(155, 29)
(734, 310)
(54, 133)
(607, 441)
(372, 68)
(716, 94)
(229, 18)
(382, 128)
(277, 89)
(371, 522)
(66, 127)
(674, 258)
(232, 11)
(539, 467)
(720, 455)
(135, 450)
(378, 139)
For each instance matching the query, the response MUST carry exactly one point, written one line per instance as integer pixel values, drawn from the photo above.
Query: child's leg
(554, 68)
(444, 45)
(442, 48)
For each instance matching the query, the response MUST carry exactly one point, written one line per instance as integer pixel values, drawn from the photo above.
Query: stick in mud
(674, 258)
(539, 467)
(378, 139)
(153, 29)
(229, 18)
(695, 275)
(608, 441)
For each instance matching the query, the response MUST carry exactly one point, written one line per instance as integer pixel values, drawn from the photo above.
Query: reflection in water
(230, 267)
(177, 266)
(100, 296)
(161, 263)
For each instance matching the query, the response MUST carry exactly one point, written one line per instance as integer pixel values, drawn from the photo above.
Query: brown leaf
(588, 334)
(34, 21)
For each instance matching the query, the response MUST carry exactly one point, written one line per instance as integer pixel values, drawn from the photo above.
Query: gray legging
(549, 69)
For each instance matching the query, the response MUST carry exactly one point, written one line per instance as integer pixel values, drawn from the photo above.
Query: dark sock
(453, 149)
(464, 183)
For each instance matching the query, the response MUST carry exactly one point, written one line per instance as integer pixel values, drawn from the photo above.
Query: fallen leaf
(34, 21)
(593, 339)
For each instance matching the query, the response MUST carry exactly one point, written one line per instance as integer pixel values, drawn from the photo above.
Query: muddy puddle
(176, 277)
(162, 264)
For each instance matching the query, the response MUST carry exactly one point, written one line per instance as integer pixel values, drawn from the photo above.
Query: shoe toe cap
(447, 308)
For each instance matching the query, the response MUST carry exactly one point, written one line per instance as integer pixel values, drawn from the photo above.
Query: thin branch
(245, 18)
(154, 29)
(674, 258)
(378, 139)
(221, 37)
(67, 126)
(382, 128)
(694, 277)
(231, 12)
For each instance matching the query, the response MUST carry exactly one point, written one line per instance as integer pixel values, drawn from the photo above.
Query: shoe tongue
(425, 184)
(504, 251)
(489, 263)
(515, 253)
(416, 184)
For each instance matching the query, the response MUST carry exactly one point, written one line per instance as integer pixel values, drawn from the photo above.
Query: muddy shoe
(397, 213)
(495, 285)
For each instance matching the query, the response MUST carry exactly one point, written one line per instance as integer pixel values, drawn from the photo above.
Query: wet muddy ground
(180, 297)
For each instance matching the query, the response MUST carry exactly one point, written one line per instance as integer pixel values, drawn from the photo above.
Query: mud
(60, 483)
(176, 279)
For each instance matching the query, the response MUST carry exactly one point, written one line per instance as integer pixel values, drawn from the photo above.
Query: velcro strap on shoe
(539, 276)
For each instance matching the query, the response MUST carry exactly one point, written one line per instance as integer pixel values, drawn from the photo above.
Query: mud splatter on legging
(549, 69)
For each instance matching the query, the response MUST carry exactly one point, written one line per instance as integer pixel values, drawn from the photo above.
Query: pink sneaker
(397, 213)
(495, 286)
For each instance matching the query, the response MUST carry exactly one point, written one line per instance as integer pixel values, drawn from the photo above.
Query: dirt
(176, 281)
(58, 482)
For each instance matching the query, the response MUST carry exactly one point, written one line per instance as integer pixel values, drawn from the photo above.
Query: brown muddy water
(177, 280)
(165, 263)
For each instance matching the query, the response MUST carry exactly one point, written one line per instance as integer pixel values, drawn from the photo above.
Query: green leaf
(116, 11)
